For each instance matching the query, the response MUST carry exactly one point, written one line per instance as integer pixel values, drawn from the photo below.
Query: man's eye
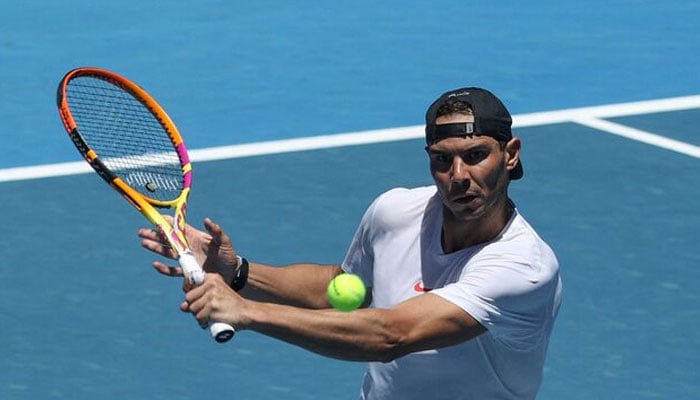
(475, 156)
(441, 159)
(441, 162)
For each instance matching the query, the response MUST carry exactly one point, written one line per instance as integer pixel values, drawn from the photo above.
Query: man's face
(471, 173)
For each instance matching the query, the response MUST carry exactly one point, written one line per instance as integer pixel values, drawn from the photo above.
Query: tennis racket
(130, 141)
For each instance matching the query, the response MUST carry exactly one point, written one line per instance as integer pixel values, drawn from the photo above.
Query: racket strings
(127, 137)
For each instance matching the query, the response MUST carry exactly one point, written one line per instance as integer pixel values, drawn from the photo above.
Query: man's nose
(460, 170)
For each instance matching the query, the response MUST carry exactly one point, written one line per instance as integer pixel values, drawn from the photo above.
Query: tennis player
(463, 291)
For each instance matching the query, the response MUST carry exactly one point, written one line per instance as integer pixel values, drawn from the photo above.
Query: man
(463, 292)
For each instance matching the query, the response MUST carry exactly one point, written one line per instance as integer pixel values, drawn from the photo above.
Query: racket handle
(220, 331)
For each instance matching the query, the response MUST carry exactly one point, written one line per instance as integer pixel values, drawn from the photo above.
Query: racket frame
(173, 233)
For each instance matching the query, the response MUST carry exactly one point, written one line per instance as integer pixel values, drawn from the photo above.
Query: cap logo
(465, 93)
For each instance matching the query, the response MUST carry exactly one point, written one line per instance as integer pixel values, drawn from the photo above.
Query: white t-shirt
(511, 285)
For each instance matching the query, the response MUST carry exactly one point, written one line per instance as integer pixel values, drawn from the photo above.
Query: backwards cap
(491, 118)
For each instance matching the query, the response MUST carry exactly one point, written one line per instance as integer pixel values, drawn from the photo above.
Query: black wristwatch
(241, 277)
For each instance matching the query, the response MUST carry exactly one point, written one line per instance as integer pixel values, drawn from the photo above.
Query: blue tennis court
(605, 99)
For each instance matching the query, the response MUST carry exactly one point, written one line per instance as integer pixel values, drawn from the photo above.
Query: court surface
(298, 117)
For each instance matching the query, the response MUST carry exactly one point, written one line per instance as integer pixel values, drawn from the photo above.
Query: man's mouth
(464, 198)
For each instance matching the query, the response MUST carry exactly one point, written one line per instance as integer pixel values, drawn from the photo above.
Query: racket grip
(220, 331)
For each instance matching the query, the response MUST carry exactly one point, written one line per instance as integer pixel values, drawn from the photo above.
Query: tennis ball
(346, 292)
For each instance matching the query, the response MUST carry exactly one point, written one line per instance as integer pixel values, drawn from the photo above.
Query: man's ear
(513, 152)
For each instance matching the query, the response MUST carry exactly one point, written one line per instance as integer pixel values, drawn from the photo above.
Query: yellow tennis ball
(346, 292)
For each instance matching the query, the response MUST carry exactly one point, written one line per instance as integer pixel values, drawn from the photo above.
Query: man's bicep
(429, 322)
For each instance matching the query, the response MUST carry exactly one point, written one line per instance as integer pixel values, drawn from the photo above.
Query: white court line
(608, 111)
(640, 136)
(589, 116)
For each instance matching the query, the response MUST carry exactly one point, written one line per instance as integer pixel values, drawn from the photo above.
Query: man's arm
(421, 323)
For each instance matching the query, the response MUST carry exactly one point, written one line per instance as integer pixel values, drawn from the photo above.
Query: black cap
(491, 118)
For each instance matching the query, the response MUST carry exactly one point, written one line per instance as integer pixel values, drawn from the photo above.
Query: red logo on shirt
(418, 287)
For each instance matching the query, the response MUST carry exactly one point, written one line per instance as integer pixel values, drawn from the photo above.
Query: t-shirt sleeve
(512, 298)
(359, 259)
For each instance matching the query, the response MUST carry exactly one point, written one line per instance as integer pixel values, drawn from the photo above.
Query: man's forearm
(363, 335)
(301, 285)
